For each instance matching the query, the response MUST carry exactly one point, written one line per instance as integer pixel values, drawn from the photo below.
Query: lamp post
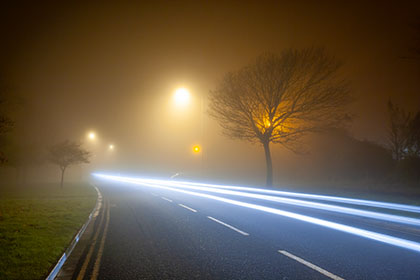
(181, 99)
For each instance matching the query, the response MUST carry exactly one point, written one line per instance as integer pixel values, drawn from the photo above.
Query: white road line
(186, 207)
(228, 226)
(167, 199)
(310, 265)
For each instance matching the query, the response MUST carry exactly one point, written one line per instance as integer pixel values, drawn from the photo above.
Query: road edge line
(97, 263)
(54, 272)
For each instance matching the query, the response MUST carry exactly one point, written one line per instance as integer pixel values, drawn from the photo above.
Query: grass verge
(37, 223)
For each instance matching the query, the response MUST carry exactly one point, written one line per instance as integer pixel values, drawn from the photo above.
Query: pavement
(149, 231)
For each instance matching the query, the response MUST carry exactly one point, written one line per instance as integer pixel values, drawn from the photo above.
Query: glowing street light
(111, 147)
(91, 136)
(181, 97)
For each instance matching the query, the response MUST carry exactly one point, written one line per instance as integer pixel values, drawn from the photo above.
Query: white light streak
(391, 240)
(296, 202)
(353, 201)
(309, 204)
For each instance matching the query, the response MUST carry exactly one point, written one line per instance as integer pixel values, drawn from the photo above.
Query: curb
(75, 240)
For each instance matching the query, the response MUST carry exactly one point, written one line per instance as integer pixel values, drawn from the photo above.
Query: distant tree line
(20, 153)
(6, 123)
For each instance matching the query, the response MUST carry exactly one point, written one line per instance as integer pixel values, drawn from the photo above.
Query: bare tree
(67, 153)
(398, 130)
(278, 99)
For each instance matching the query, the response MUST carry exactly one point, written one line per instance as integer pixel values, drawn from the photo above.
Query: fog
(112, 69)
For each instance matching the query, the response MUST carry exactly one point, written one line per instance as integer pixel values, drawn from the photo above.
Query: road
(149, 231)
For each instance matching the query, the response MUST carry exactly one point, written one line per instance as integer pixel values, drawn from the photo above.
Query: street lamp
(181, 97)
(91, 136)
(111, 147)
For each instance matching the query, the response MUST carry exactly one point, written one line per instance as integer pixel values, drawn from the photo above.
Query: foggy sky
(112, 67)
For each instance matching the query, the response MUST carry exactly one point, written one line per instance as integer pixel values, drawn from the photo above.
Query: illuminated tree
(279, 99)
(67, 153)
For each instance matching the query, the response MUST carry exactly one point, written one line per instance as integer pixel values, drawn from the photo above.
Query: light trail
(387, 239)
(309, 204)
(296, 202)
(353, 201)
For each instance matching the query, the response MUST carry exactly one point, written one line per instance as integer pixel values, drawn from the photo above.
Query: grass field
(37, 223)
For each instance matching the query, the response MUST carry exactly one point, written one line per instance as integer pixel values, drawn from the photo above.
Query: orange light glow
(196, 149)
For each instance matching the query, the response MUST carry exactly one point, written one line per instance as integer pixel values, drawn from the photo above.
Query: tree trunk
(269, 164)
(62, 177)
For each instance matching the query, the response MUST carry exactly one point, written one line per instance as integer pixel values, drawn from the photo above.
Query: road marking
(97, 264)
(186, 207)
(99, 202)
(82, 271)
(228, 226)
(310, 265)
(167, 199)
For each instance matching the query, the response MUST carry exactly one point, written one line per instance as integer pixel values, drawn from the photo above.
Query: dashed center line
(228, 226)
(310, 265)
(189, 208)
(167, 199)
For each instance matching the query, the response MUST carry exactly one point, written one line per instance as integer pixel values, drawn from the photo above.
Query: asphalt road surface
(147, 232)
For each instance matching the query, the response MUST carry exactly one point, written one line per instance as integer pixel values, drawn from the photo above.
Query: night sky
(113, 68)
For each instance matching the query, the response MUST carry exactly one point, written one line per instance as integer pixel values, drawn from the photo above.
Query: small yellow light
(111, 147)
(196, 149)
(91, 136)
